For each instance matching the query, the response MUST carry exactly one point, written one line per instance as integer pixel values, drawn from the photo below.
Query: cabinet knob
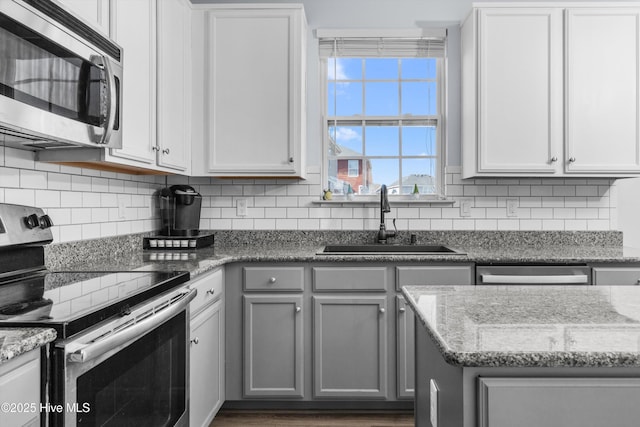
(155, 148)
(554, 159)
(382, 310)
(402, 309)
(272, 280)
(298, 309)
(211, 291)
(165, 151)
(290, 159)
(195, 340)
(572, 159)
(638, 282)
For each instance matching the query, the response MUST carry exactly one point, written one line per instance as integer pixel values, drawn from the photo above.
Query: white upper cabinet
(156, 122)
(550, 91)
(174, 85)
(253, 110)
(602, 90)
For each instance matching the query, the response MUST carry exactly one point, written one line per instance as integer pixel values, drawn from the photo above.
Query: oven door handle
(136, 330)
(533, 279)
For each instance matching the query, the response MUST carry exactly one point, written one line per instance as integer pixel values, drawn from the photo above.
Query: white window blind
(428, 44)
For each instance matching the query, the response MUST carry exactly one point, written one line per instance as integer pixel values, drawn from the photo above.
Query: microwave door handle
(112, 101)
(103, 345)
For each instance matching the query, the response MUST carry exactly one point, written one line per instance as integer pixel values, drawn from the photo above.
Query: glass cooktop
(73, 301)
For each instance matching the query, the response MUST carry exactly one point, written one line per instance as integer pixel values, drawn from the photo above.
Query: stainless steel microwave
(60, 79)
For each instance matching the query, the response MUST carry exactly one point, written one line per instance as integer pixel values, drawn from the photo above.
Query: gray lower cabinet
(405, 336)
(616, 276)
(566, 402)
(273, 346)
(350, 346)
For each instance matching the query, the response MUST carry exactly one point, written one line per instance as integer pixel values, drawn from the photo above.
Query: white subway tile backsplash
(86, 203)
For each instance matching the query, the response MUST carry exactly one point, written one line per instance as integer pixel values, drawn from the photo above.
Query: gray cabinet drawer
(349, 279)
(616, 276)
(434, 275)
(273, 278)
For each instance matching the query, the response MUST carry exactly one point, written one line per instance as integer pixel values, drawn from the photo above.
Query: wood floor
(273, 418)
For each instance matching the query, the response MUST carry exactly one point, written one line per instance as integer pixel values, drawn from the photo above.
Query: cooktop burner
(71, 301)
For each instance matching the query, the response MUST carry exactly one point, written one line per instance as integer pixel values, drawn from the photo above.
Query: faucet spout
(383, 234)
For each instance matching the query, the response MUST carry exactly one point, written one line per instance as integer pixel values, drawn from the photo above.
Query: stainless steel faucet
(383, 234)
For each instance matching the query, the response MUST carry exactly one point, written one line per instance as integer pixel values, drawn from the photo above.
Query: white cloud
(346, 134)
(336, 69)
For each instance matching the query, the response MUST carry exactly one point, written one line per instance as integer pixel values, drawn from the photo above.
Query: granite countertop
(531, 326)
(14, 342)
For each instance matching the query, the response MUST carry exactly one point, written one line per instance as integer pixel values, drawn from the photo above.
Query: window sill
(341, 200)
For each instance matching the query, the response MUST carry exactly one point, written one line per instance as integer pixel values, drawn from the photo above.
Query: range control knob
(32, 221)
(45, 221)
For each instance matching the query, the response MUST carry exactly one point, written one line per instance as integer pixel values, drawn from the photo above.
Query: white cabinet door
(256, 77)
(134, 28)
(207, 376)
(174, 85)
(20, 386)
(602, 90)
(518, 64)
(94, 11)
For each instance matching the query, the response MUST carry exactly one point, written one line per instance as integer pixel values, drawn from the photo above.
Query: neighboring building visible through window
(383, 116)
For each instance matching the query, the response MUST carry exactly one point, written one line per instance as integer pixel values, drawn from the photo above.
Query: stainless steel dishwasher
(533, 275)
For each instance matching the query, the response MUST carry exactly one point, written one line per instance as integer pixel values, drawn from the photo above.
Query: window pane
(344, 69)
(383, 171)
(345, 140)
(418, 68)
(353, 168)
(382, 99)
(382, 141)
(419, 141)
(419, 98)
(421, 172)
(381, 69)
(348, 99)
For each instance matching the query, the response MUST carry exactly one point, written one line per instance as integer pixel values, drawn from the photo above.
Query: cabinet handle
(211, 291)
(298, 309)
(155, 148)
(382, 310)
(290, 159)
(554, 159)
(272, 280)
(165, 151)
(402, 309)
(572, 159)
(638, 282)
(195, 340)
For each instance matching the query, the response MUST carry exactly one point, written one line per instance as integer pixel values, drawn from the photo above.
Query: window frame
(440, 135)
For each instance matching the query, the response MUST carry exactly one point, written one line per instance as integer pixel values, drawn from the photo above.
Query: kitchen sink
(373, 249)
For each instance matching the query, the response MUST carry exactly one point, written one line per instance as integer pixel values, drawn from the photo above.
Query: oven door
(132, 371)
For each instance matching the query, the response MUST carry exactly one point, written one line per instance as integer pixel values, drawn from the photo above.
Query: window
(383, 114)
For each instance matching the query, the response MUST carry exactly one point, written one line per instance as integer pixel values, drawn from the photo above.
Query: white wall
(629, 210)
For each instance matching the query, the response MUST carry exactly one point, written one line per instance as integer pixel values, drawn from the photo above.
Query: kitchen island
(527, 355)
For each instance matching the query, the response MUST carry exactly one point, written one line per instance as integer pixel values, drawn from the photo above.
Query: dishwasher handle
(103, 345)
(516, 279)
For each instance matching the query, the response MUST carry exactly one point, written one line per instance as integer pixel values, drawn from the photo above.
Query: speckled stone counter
(14, 342)
(531, 326)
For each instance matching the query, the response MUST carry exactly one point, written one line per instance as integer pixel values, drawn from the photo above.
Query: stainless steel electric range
(121, 356)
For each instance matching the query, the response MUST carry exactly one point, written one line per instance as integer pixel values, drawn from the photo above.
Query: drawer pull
(211, 291)
(402, 309)
(195, 340)
(272, 280)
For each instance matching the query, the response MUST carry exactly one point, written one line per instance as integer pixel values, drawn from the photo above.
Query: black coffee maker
(180, 211)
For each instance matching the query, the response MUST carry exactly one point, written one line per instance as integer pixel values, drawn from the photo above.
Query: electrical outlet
(512, 207)
(241, 207)
(433, 403)
(465, 207)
